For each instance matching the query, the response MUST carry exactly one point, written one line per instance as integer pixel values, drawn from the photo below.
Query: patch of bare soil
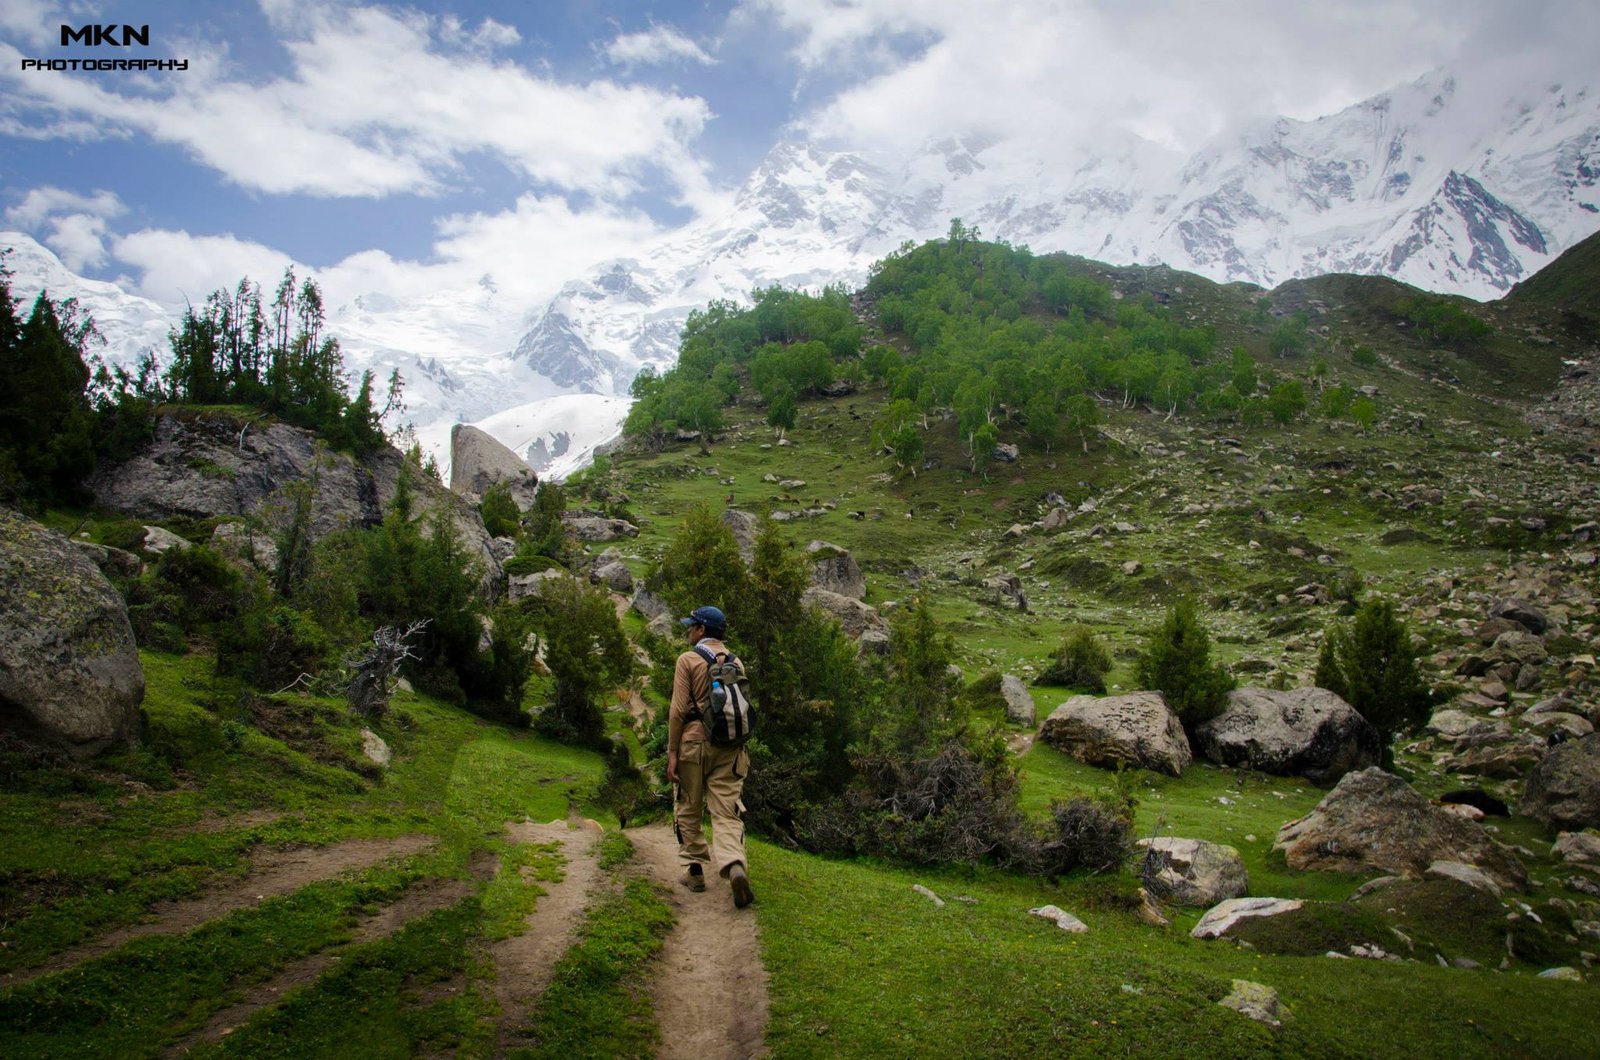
(420, 900)
(525, 963)
(711, 990)
(272, 873)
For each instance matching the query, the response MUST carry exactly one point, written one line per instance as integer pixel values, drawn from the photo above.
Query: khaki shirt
(691, 686)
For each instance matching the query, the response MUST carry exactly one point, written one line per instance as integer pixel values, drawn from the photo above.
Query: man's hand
(672, 766)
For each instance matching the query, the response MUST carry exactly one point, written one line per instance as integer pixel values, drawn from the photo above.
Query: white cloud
(174, 266)
(33, 21)
(656, 46)
(72, 225)
(41, 203)
(381, 101)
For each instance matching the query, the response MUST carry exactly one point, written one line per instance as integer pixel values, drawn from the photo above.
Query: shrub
(1081, 662)
(1373, 667)
(528, 563)
(499, 511)
(587, 652)
(272, 645)
(206, 589)
(1092, 834)
(1177, 662)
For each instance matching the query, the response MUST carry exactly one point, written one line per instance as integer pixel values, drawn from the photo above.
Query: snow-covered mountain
(1429, 183)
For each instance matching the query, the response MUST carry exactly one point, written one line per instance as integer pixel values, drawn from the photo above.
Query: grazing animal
(1478, 798)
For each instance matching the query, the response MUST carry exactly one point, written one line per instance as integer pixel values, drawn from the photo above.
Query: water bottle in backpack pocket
(727, 714)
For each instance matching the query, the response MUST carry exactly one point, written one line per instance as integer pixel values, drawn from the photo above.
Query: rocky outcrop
(69, 668)
(745, 527)
(1137, 729)
(853, 615)
(835, 570)
(201, 466)
(596, 528)
(1563, 790)
(1019, 701)
(1219, 919)
(1374, 821)
(1307, 732)
(1193, 871)
(478, 461)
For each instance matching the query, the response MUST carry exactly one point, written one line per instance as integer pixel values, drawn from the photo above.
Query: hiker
(705, 773)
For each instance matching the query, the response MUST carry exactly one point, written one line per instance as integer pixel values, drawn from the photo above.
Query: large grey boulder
(1221, 918)
(201, 466)
(1137, 729)
(1019, 701)
(1374, 821)
(478, 461)
(1563, 789)
(1193, 871)
(835, 569)
(745, 527)
(1308, 732)
(69, 667)
(598, 528)
(853, 615)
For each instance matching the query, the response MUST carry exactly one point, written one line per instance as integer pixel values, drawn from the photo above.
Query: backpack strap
(695, 712)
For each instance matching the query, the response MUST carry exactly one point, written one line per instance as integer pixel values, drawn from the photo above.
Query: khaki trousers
(710, 777)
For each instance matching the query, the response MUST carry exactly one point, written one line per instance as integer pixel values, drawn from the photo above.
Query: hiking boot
(693, 878)
(742, 894)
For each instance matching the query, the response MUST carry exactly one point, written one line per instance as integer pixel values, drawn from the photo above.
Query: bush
(205, 588)
(528, 563)
(1093, 834)
(587, 652)
(1373, 667)
(1081, 662)
(272, 645)
(499, 511)
(1177, 662)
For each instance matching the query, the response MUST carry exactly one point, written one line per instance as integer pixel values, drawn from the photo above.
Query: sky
(411, 148)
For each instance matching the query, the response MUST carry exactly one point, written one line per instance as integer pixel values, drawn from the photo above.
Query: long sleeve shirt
(691, 687)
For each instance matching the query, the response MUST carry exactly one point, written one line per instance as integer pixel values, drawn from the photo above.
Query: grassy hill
(1447, 500)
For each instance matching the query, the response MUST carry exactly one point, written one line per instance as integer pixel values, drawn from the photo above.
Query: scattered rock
(375, 749)
(835, 570)
(615, 576)
(1563, 789)
(1467, 874)
(1019, 701)
(855, 616)
(1137, 729)
(649, 604)
(1224, 915)
(478, 461)
(1007, 453)
(1564, 973)
(69, 667)
(113, 562)
(522, 586)
(1307, 732)
(938, 903)
(1193, 871)
(159, 540)
(1520, 611)
(1578, 848)
(745, 529)
(1375, 820)
(598, 528)
(1256, 1001)
(1061, 918)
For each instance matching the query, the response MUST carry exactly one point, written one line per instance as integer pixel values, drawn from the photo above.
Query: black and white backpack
(727, 714)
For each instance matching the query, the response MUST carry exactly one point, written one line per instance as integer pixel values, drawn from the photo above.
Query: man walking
(706, 775)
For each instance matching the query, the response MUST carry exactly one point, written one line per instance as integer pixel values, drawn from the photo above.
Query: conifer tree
(1177, 663)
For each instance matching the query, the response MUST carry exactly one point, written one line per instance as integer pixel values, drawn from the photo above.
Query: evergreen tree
(702, 565)
(1177, 663)
(46, 444)
(588, 654)
(1372, 666)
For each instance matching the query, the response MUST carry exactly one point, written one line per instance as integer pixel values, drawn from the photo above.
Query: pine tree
(1177, 662)
(1372, 666)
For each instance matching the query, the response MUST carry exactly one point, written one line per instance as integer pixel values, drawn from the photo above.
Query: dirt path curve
(525, 963)
(272, 873)
(711, 992)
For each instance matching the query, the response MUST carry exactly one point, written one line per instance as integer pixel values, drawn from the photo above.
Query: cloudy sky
(407, 148)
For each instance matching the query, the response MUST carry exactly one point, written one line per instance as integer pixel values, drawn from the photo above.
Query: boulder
(376, 749)
(615, 576)
(1375, 821)
(745, 527)
(835, 569)
(855, 616)
(478, 461)
(1193, 871)
(1019, 701)
(523, 586)
(204, 465)
(1558, 721)
(1523, 613)
(1563, 789)
(1007, 453)
(113, 562)
(1467, 730)
(159, 540)
(1508, 759)
(1578, 848)
(1307, 732)
(69, 667)
(1060, 918)
(239, 541)
(1520, 647)
(1137, 729)
(873, 641)
(1056, 519)
(1224, 915)
(1256, 1001)
(598, 528)
(649, 604)
(1470, 875)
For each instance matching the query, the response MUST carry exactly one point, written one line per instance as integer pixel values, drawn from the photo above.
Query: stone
(1193, 871)
(1522, 612)
(1056, 519)
(1565, 974)
(375, 749)
(745, 528)
(615, 576)
(873, 642)
(113, 562)
(1307, 732)
(1019, 701)
(1137, 729)
(253, 546)
(1578, 848)
(1007, 453)
(1501, 761)
(597, 528)
(1375, 821)
(1563, 789)
(853, 615)
(1256, 1001)
(1558, 721)
(1224, 915)
(523, 586)
(159, 540)
(835, 570)
(1061, 918)
(478, 461)
(649, 604)
(1518, 646)
(208, 465)
(1458, 725)
(938, 903)
(69, 667)
(1470, 875)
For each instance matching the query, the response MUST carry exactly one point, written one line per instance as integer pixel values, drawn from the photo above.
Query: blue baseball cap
(709, 617)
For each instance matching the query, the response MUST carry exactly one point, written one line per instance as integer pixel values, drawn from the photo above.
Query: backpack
(728, 715)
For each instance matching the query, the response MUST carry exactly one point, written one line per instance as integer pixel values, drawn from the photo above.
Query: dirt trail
(525, 963)
(273, 873)
(711, 992)
(424, 898)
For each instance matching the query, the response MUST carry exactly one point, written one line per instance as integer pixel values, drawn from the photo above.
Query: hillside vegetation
(1033, 459)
